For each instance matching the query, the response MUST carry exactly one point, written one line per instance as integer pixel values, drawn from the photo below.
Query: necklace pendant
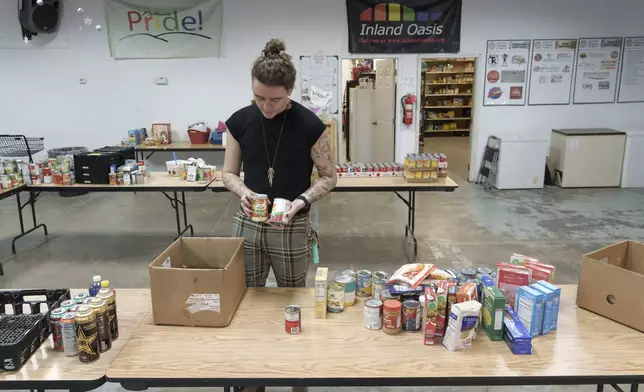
(271, 175)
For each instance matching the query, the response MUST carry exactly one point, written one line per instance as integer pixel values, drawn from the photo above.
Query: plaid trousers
(286, 249)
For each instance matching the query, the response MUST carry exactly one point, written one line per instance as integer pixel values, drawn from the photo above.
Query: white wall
(40, 94)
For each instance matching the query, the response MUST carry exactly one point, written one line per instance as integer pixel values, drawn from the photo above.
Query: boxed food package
(554, 292)
(515, 334)
(520, 259)
(509, 277)
(198, 282)
(430, 328)
(529, 308)
(461, 326)
(411, 275)
(492, 313)
(541, 271)
(546, 324)
(612, 283)
(467, 292)
(452, 289)
(321, 279)
(441, 292)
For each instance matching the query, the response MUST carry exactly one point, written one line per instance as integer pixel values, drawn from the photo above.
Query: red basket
(198, 137)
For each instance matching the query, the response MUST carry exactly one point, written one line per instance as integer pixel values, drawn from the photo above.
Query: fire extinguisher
(408, 102)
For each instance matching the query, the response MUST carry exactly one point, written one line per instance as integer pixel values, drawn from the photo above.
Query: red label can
(293, 319)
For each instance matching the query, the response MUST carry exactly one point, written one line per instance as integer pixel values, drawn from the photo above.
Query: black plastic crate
(25, 323)
(126, 151)
(94, 167)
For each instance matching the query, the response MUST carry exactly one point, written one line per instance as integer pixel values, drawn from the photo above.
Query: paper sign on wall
(506, 72)
(139, 29)
(553, 62)
(597, 67)
(631, 84)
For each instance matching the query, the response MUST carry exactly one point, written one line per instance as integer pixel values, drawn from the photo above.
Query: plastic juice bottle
(105, 284)
(95, 286)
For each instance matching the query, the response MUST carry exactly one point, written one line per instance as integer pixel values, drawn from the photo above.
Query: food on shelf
(351, 170)
(425, 167)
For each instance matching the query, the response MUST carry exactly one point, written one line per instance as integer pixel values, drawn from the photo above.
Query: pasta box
(611, 283)
(198, 282)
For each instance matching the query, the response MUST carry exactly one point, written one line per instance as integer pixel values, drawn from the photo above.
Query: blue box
(528, 305)
(548, 316)
(555, 302)
(515, 334)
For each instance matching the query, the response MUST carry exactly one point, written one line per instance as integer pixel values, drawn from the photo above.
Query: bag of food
(411, 275)
(461, 328)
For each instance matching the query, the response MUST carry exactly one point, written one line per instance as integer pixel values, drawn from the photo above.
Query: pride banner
(140, 29)
(405, 26)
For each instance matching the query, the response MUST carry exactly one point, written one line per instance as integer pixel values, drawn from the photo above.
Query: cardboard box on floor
(198, 282)
(612, 283)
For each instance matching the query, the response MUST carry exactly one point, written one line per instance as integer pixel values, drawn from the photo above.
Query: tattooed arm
(232, 168)
(322, 155)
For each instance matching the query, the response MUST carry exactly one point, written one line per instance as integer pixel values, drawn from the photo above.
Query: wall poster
(597, 67)
(506, 72)
(553, 61)
(631, 82)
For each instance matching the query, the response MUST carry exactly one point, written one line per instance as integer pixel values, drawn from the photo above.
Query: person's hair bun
(274, 47)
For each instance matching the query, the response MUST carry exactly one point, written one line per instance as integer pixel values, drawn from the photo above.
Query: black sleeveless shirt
(293, 163)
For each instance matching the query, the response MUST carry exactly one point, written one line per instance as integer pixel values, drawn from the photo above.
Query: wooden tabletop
(54, 367)
(182, 146)
(155, 182)
(339, 350)
(4, 193)
(380, 184)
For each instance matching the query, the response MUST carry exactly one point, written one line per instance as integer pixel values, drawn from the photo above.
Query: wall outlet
(161, 81)
(82, 81)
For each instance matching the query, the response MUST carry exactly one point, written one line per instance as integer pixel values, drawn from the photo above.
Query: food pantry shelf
(448, 107)
(449, 119)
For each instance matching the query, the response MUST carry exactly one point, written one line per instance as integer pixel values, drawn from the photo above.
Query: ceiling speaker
(39, 16)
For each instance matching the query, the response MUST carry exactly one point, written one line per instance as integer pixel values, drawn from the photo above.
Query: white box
(522, 162)
(633, 169)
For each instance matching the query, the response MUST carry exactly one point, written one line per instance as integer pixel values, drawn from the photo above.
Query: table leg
(600, 388)
(634, 387)
(410, 202)
(32, 203)
(185, 215)
(176, 210)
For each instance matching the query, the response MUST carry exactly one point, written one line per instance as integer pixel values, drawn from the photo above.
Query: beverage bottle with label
(95, 286)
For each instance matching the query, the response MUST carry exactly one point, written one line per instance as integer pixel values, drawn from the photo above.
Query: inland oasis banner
(406, 26)
(140, 29)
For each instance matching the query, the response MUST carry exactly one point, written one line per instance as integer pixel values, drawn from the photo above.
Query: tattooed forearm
(322, 155)
(235, 184)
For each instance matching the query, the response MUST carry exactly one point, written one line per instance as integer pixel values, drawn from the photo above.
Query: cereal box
(556, 294)
(461, 326)
(546, 324)
(520, 259)
(321, 276)
(467, 292)
(545, 270)
(515, 334)
(509, 277)
(492, 312)
(529, 307)
(441, 293)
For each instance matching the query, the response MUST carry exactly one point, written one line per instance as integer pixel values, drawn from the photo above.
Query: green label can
(335, 298)
(349, 285)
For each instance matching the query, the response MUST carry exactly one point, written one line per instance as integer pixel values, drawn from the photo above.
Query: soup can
(378, 286)
(380, 275)
(259, 208)
(363, 284)
(373, 313)
(293, 319)
(348, 283)
(411, 316)
(335, 298)
(350, 272)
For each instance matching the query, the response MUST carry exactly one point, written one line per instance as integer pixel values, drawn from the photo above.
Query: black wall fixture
(39, 16)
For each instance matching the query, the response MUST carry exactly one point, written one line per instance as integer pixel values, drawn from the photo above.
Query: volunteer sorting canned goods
(278, 141)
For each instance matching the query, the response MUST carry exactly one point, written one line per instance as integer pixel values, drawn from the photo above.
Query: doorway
(446, 106)
(369, 110)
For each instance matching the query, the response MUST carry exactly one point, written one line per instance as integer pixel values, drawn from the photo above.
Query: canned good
(67, 304)
(293, 319)
(110, 297)
(380, 274)
(5, 183)
(469, 273)
(391, 318)
(9, 167)
(1, 167)
(280, 208)
(80, 297)
(200, 175)
(348, 284)
(68, 334)
(363, 283)
(350, 272)
(66, 165)
(56, 328)
(87, 334)
(208, 173)
(484, 271)
(386, 295)
(99, 306)
(259, 208)
(140, 179)
(411, 315)
(335, 298)
(378, 286)
(373, 313)
(67, 178)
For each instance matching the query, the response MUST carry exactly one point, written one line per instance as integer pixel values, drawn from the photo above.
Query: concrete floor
(117, 235)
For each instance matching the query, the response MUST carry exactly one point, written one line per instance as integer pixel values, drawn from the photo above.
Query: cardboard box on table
(612, 283)
(198, 282)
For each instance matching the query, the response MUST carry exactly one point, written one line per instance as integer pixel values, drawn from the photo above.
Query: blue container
(546, 324)
(528, 305)
(515, 334)
(556, 296)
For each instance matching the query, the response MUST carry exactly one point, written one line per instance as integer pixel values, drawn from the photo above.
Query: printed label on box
(166, 263)
(203, 302)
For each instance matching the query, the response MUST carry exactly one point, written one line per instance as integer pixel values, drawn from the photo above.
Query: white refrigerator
(633, 168)
(522, 161)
